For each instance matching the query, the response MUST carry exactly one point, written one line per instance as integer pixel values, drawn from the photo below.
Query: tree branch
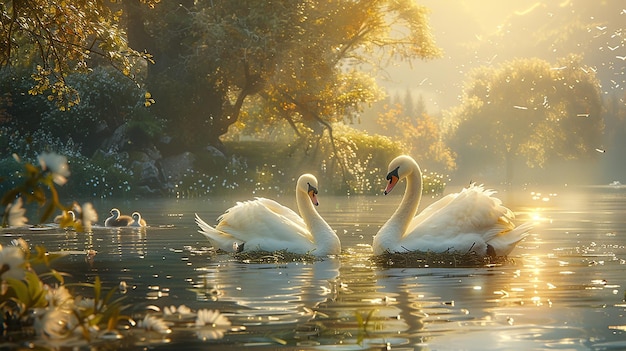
(327, 125)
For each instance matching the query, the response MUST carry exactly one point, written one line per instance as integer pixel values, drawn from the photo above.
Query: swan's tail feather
(205, 229)
(505, 242)
(218, 238)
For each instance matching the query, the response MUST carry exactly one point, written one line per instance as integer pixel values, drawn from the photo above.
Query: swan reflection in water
(263, 293)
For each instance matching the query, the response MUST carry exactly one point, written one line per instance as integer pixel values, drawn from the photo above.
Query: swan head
(136, 216)
(115, 212)
(399, 168)
(308, 184)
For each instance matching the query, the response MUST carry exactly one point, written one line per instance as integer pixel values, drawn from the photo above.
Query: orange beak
(313, 196)
(393, 180)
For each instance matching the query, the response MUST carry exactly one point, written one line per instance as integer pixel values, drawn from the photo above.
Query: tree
(420, 134)
(303, 58)
(615, 137)
(529, 109)
(58, 38)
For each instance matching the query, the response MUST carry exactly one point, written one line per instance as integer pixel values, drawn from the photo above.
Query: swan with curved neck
(138, 221)
(265, 225)
(117, 219)
(471, 220)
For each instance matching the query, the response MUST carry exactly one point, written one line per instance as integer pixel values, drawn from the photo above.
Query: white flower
(59, 297)
(12, 262)
(212, 324)
(55, 323)
(85, 303)
(156, 324)
(16, 213)
(172, 310)
(90, 215)
(57, 164)
(212, 318)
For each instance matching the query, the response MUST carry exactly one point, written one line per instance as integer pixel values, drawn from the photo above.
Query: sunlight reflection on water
(565, 290)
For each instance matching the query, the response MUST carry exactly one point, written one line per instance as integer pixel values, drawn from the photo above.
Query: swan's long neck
(325, 238)
(394, 229)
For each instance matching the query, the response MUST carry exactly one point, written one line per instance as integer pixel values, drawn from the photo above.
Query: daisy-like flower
(55, 323)
(16, 213)
(59, 297)
(154, 323)
(57, 164)
(211, 318)
(181, 310)
(85, 303)
(12, 262)
(211, 324)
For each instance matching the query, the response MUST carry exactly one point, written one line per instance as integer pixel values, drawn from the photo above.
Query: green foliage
(95, 178)
(109, 100)
(57, 39)
(59, 313)
(98, 178)
(273, 166)
(36, 184)
(366, 158)
(300, 58)
(37, 187)
(29, 292)
(531, 109)
(28, 144)
(196, 183)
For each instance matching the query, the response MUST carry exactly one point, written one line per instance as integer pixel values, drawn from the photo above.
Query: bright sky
(462, 28)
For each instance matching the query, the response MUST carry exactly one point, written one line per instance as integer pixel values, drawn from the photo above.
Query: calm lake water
(564, 290)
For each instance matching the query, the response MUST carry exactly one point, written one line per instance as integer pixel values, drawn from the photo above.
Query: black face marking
(392, 174)
(312, 188)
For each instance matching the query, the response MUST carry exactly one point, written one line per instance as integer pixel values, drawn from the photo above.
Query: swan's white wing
(473, 210)
(469, 219)
(285, 212)
(430, 211)
(263, 218)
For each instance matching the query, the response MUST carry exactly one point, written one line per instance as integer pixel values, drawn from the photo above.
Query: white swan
(117, 219)
(471, 220)
(266, 225)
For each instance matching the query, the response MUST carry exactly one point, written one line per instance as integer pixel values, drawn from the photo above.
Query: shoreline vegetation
(253, 167)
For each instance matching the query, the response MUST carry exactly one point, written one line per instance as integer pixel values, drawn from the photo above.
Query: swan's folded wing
(430, 211)
(263, 217)
(473, 210)
(282, 211)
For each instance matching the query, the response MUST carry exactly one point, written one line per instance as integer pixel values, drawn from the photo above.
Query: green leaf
(35, 289)
(20, 289)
